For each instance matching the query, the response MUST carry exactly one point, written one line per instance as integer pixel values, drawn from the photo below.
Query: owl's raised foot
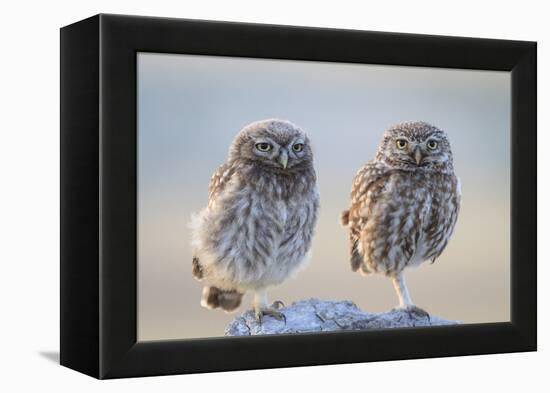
(272, 311)
(413, 310)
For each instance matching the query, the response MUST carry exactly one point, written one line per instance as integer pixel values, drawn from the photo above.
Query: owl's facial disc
(265, 148)
(414, 145)
(418, 152)
(422, 153)
(295, 152)
(275, 148)
(271, 153)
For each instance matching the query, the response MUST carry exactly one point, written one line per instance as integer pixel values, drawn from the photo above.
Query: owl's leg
(405, 301)
(401, 289)
(262, 308)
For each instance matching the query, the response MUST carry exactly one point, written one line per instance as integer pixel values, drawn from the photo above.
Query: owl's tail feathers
(214, 297)
(344, 218)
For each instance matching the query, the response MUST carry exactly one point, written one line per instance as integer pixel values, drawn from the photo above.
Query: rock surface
(316, 315)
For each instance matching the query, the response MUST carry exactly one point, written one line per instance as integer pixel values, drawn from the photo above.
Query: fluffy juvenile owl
(257, 228)
(404, 204)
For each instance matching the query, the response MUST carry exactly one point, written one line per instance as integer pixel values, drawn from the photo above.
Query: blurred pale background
(190, 108)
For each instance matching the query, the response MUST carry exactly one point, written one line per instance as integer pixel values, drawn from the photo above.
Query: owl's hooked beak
(417, 155)
(283, 158)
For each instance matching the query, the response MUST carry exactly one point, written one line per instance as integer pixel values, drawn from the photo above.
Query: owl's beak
(417, 155)
(283, 158)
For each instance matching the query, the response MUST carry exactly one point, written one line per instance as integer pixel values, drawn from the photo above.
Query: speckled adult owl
(404, 204)
(257, 228)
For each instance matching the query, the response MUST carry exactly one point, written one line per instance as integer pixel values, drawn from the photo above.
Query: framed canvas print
(298, 196)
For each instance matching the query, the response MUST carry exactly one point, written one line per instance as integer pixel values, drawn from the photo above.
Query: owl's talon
(411, 309)
(272, 312)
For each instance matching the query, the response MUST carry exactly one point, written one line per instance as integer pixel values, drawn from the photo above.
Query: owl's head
(273, 144)
(413, 145)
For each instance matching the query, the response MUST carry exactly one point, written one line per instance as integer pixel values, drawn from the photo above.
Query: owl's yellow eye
(298, 147)
(432, 145)
(401, 144)
(263, 146)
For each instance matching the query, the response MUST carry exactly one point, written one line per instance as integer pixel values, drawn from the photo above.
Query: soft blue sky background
(190, 108)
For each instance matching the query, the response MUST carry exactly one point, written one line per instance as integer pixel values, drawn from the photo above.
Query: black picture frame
(98, 195)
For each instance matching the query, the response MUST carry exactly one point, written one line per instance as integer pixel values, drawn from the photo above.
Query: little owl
(404, 205)
(257, 229)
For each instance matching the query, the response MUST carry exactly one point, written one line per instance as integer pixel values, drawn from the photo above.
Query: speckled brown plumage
(404, 204)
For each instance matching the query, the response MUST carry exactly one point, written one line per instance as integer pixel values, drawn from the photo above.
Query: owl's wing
(367, 184)
(369, 180)
(365, 178)
(218, 182)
